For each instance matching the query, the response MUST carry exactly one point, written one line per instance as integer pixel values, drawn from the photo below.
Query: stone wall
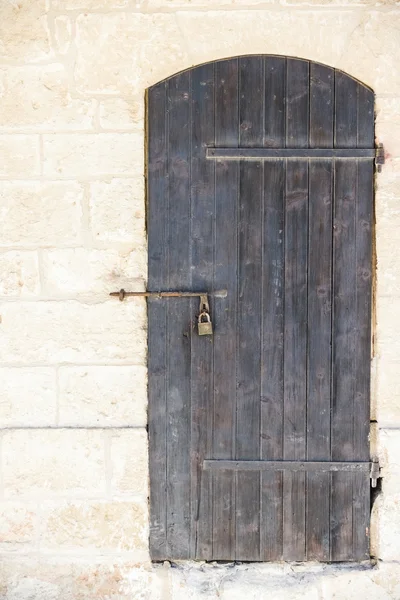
(73, 472)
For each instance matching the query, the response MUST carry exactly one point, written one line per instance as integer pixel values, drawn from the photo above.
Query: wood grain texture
(225, 310)
(286, 374)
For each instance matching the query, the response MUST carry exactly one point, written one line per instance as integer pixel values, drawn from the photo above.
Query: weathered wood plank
(179, 319)
(344, 322)
(202, 233)
(319, 312)
(319, 355)
(343, 347)
(225, 310)
(274, 102)
(156, 181)
(295, 294)
(272, 323)
(297, 103)
(249, 276)
(364, 219)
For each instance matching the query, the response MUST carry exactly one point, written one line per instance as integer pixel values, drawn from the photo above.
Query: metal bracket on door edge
(375, 472)
(379, 157)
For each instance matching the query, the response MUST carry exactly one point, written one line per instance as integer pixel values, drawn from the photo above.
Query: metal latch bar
(122, 294)
(286, 465)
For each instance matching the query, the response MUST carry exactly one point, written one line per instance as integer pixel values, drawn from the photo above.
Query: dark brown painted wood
(260, 182)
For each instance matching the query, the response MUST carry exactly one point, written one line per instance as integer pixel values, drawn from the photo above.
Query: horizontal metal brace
(285, 465)
(123, 294)
(305, 153)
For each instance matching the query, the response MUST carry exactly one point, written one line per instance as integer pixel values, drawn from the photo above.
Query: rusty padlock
(204, 326)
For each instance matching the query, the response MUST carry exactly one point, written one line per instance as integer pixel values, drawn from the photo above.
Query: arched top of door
(276, 57)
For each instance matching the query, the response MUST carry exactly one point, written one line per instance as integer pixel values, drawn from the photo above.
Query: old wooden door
(260, 182)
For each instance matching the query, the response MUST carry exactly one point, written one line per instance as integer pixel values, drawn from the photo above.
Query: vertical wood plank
(297, 103)
(225, 309)
(249, 339)
(343, 385)
(364, 219)
(179, 320)
(272, 312)
(202, 268)
(344, 321)
(157, 219)
(295, 311)
(319, 356)
(319, 312)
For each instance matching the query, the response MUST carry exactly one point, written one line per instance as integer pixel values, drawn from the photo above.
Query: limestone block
(38, 98)
(388, 327)
(55, 577)
(62, 33)
(124, 52)
(40, 214)
(18, 523)
(43, 463)
(388, 392)
(387, 575)
(389, 443)
(27, 396)
(122, 113)
(86, 155)
(91, 4)
(387, 129)
(20, 274)
(103, 396)
(54, 332)
(24, 33)
(19, 156)
(354, 585)
(127, 224)
(129, 462)
(90, 274)
(91, 526)
(323, 38)
(389, 527)
(372, 51)
(210, 4)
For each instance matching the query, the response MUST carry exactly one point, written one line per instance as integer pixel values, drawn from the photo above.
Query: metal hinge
(379, 157)
(375, 472)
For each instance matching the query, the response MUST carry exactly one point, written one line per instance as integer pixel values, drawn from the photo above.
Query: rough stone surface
(40, 214)
(28, 396)
(20, 274)
(18, 524)
(129, 471)
(89, 273)
(132, 50)
(104, 396)
(24, 33)
(73, 332)
(125, 225)
(121, 113)
(44, 463)
(94, 526)
(39, 98)
(20, 156)
(85, 155)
